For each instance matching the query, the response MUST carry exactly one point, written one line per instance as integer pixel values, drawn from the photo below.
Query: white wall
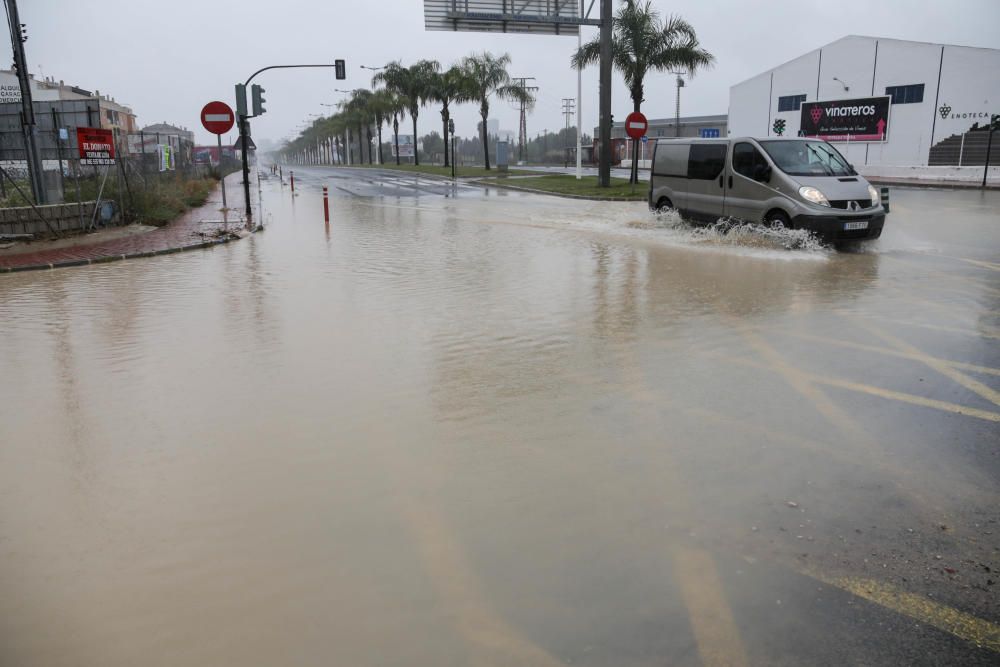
(969, 84)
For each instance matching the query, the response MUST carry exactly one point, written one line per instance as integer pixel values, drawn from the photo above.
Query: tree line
(642, 42)
(401, 90)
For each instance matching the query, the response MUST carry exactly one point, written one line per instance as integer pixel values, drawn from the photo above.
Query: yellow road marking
(951, 276)
(496, 642)
(965, 626)
(883, 393)
(943, 368)
(715, 631)
(880, 350)
(992, 332)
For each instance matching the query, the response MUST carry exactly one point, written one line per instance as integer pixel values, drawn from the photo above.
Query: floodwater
(464, 426)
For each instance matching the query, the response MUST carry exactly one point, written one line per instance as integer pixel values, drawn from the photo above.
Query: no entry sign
(217, 117)
(636, 125)
(97, 146)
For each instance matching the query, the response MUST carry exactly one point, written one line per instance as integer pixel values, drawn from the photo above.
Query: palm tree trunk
(444, 124)
(486, 143)
(395, 134)
(416, 153)
(381, 158)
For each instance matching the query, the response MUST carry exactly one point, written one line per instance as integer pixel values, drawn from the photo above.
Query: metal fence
(141, 159)
(965, 150)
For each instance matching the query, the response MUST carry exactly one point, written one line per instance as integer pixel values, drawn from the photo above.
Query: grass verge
(567, 184)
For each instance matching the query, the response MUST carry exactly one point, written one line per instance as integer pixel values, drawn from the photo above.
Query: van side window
(745, 159)
(706, 161)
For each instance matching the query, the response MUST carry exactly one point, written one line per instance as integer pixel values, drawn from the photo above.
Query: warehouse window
(790, 102)
(906, 94)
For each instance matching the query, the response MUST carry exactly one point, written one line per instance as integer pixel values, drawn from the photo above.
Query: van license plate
(861, 224)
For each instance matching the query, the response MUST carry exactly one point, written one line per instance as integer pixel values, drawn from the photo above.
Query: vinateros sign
(862, 119)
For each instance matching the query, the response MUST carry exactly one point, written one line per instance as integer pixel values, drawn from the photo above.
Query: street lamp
(374, 69)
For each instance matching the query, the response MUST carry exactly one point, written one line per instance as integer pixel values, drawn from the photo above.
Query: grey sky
(166, 58)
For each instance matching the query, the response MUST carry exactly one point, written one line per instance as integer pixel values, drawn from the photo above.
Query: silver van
(798, 183)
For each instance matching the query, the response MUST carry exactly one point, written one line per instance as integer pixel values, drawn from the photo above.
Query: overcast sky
(167, 58)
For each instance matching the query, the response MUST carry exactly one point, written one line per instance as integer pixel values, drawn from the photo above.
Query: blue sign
(645, 139)
(709, 132)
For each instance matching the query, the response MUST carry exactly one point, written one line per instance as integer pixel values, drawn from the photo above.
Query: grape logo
(816, 113)
(944, 110)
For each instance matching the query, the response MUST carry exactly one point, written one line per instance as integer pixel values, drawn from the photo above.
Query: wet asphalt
(466, 425)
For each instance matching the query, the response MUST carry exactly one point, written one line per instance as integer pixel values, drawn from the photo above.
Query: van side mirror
(762, 173)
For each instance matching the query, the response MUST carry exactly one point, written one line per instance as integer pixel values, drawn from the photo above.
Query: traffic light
(779, 126)
(241, 100)
(341, 67)
(257, 95)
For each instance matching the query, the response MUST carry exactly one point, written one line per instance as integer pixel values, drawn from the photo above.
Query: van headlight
(811, 194)
(875, 197)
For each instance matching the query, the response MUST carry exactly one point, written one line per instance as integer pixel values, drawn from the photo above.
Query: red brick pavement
(187, 232)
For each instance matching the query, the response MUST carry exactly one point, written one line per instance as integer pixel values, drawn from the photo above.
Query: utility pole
(569, 108)
(677, 109)
(18, 37)
(579, 105)
(522, 135)
(604, 165)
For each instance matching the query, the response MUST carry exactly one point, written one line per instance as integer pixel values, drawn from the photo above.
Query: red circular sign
(636, 125)
(217, 117)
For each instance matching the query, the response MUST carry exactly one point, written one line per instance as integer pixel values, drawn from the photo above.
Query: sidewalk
(198, 228)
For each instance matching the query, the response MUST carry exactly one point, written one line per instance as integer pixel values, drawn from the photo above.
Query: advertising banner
(861, 119)
(405, 146)
(97, 146)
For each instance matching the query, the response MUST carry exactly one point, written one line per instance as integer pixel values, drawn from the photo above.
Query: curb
(105, 259)
(555, 194)
(938, 185)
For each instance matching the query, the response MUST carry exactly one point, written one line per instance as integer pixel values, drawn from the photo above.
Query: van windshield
(807, 158)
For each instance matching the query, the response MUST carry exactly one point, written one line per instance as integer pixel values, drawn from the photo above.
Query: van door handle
(730, 182)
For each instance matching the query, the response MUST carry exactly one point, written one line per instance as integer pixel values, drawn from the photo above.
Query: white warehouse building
(934, 103)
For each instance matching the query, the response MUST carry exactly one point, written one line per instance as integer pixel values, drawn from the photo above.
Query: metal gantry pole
(989, 147)
(604, 166)
(579, 103)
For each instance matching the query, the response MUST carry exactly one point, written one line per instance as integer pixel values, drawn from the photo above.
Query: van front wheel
(663, 205)
(777, 219)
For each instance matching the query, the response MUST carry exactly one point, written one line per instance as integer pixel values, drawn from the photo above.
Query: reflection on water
(507, 433)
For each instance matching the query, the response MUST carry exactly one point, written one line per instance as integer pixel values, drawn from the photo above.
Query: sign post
(218, 118)
(635, 127)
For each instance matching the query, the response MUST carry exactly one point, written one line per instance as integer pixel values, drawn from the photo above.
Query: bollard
(326, 206)
(291, 179)
(884, 193)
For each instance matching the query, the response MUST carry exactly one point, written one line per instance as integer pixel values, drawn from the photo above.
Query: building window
(791, 102)
(906, 94)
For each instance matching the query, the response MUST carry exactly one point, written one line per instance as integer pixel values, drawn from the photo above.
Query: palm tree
(385, 107)
(642, 42)
(446, 88)
(486, 75)
(412, 84)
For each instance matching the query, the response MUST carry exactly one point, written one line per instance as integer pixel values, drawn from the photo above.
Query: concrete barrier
(61, 217)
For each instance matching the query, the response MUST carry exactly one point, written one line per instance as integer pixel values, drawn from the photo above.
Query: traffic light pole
(989, 146)
(243, 118)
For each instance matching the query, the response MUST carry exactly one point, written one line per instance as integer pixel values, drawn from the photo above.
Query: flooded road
(466, 426)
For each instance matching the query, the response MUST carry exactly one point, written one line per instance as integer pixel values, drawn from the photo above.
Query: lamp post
(677, 110)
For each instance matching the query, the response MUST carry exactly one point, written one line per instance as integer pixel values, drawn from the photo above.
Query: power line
(523, 129)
